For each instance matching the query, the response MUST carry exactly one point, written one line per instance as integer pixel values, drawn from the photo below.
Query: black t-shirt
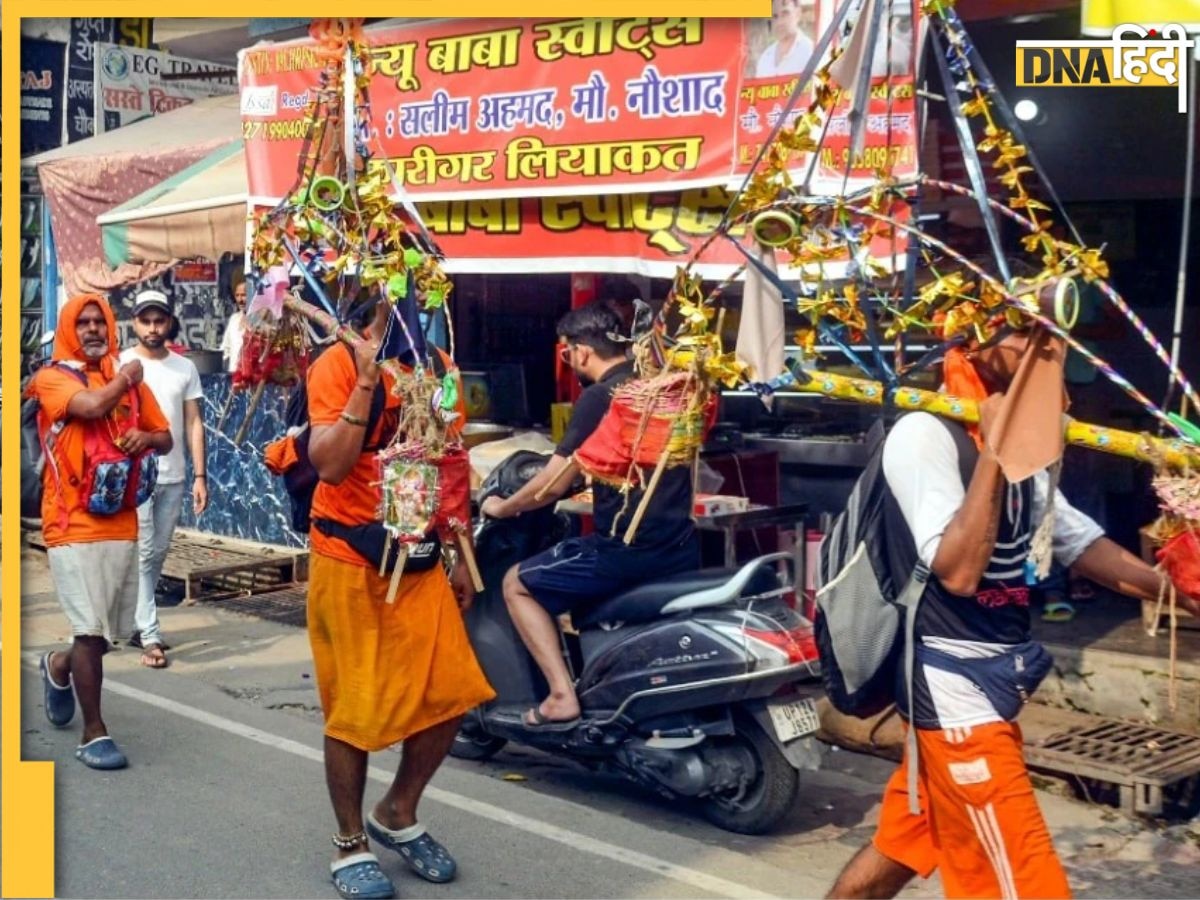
(668, 519)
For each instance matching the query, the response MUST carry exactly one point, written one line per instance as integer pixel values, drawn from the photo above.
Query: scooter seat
(646, 601)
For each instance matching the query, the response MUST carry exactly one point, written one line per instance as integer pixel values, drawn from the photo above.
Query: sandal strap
(355, 860)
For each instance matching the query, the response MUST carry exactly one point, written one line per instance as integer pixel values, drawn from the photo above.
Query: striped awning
(199, 211)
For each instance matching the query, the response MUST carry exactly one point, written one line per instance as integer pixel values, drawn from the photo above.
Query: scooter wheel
(474, 745)
(767, 794)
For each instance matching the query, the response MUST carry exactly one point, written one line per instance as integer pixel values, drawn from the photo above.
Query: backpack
(111, 480)
(870, 579)
(33, 461)
(300, 478)
(869, 583)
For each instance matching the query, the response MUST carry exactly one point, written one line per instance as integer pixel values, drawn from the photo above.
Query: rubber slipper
(543, 722)
(135, 640)
(58, 701)
(424, 855)
(359, 877)
(154, 661)
(101, 753)
(1058, 611)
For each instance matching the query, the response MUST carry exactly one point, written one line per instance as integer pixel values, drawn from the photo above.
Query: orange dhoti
(979, 821)
(386, 671)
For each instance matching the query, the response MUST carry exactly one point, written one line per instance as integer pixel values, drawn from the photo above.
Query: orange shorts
(979, 821)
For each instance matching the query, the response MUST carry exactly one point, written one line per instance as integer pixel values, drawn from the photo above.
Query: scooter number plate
(795, 719)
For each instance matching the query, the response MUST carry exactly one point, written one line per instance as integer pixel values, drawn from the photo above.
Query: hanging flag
(760, 332)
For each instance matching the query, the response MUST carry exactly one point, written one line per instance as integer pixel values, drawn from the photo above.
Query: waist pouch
(113, 481)
(369, 541)
(1007, 680)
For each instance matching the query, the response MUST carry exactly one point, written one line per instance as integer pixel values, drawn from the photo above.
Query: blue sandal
(101, 753)
(58, 701)
(359, 877)
(424, 855)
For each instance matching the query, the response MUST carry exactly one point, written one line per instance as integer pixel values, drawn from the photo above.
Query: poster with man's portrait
(782, 46)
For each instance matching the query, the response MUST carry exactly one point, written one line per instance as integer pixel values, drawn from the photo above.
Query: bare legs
(540, 634)
(84, 665)
(423, 753)
(346, 778)
(869, 875)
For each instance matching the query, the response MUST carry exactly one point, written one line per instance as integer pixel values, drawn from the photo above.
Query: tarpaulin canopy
(200, 211)
(86, 179)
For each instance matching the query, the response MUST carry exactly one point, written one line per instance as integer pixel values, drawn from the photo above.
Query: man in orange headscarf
(386, 671)
(99, 426)
(976, 663)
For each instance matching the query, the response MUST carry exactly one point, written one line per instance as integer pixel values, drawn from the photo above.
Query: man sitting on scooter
(580, 572)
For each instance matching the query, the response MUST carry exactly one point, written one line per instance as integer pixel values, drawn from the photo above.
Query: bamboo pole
(468, 555)
(225, 410)
(343, 333)
(394, 584)
(1174, 452)
(631, 531)
(255, 399)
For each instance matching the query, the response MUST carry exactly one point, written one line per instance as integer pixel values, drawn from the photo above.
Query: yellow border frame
(27, 826)
(27, 823)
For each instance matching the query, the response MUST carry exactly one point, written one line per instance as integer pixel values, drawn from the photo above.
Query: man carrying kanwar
(100, 428)
(578, 573)
(982, 536)
(386, 671)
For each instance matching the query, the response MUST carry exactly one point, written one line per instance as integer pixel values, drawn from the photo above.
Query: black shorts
(580, 572)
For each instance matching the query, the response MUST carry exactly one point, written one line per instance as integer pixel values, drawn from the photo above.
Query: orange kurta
(64, 518)
(385, 671)
(356, 500)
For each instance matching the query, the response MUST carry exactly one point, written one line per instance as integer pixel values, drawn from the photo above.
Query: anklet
(349, 841)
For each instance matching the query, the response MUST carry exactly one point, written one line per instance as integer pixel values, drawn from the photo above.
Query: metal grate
(212, 567)
(1139, 759)
(286, 606)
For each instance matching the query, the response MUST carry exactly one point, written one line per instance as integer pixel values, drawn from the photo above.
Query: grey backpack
(870, 582)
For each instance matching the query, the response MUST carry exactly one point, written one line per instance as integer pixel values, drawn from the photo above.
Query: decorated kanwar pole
(1174, 453)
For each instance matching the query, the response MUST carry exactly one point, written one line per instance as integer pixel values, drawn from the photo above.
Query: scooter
(696, 686)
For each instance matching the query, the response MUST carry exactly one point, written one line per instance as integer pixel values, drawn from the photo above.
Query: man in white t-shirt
(974, 505)
(175, 384)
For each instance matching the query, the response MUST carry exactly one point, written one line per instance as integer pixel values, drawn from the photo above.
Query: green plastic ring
(1066, 303)
(327, 193)
(774, 228)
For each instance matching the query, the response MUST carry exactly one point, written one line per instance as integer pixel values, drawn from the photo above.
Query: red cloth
(609, 452)
(1180, 557)
(454, 489)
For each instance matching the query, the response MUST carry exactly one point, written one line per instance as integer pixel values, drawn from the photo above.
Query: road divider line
(573, 839)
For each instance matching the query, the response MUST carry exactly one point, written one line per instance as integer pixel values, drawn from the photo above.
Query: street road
(225, 797)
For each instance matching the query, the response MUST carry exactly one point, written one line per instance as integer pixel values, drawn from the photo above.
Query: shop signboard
(131, 83)
(43, 70)
(594, 140)
(81, 69)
